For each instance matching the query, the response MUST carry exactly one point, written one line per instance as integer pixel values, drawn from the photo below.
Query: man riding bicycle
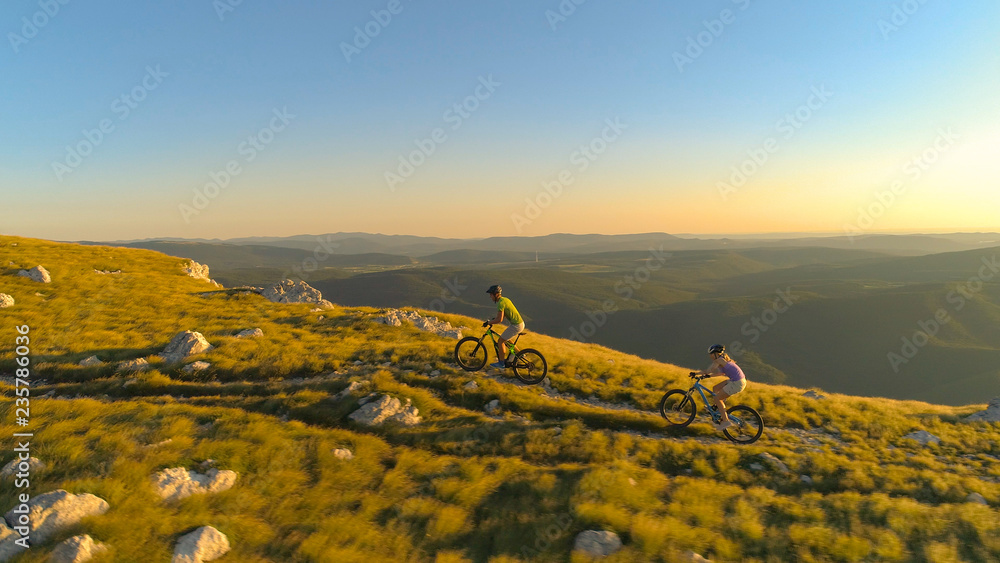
(505, 310)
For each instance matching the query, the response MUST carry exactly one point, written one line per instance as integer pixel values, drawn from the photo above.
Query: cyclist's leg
(508, 334)
(719, 399)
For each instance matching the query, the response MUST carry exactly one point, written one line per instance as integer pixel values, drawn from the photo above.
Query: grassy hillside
(462, 485)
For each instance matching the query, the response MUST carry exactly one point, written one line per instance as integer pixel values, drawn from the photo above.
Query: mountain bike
(529, 365)
(678, 408)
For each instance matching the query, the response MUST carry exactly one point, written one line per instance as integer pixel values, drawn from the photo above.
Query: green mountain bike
(529, 365)
(678, 407)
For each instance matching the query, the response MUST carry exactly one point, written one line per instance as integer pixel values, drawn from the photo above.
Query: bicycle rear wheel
(530, 366)
(747, 425)
(677, 408)
(470, 354)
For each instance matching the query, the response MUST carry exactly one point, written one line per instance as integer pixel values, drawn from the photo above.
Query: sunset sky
(320, 110)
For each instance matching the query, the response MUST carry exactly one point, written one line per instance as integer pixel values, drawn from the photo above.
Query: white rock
(756, 467)
(91, 362)
(351, 388)
(6, 301)
(34, 464)
(56, 510)
(493, 407)
(806, 479)
(204, 544)
(195, 367)
(692, 557)
(77, 549)
(435, 373)
(774, 462)
(176, 483)
(813, 395)
(991, 414)
(386, 409)
(199, 272)
(140, 364)
(597, 544)
(397, 317)
(38, 274)
(288, 291)
(923, 437)
(343, 454)
(8, 548)
(471, 386)
(251, 333)
(976, 498)
(184, 344)
(107, 272)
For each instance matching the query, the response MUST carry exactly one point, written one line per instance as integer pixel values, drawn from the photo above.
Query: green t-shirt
(510, 313)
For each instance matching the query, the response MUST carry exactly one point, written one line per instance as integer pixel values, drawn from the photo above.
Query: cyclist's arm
(499, 318)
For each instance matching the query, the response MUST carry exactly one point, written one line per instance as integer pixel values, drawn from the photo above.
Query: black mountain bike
(529, 365)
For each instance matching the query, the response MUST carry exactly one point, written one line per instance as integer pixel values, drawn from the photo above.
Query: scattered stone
(351, 388)
(692, 557)
(77, 549)
(396, 317)
(343, 454)
(8, 548)
(56, 510)
(991, 414)
(184, 344)
(597, 544)
(288, 291)
(91, 362)
(632, 482)
(813, 395)
(358, 362)
(33, 464)
(6, 301)
(176, 483)
(774, 462)
(158, 444)
(546, 383)
(195, 367)
(38, 274)
(923, 437)
(199, 272)
(130, 382)
(204, 544)
(976, 498)
(435, 373)
(251, 333)
(386, 409)
(756, 467)
(107, 272)
(140, 364)
(806, 479)
(493, 407)
(471, 386)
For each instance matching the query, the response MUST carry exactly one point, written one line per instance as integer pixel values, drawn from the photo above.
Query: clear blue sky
(221, 79)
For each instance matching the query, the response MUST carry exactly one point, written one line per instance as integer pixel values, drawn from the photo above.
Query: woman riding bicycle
(505, 310)
(722, 364)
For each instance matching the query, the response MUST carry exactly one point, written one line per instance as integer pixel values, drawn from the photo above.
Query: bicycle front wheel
(747, 425)
(530, 366)
(677, 408)
(470, 354)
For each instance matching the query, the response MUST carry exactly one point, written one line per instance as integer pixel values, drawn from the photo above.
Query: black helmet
(494, 289)
(717, 349)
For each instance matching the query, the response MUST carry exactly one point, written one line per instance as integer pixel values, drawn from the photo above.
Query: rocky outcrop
(54, 511)
(92, 361)
(991, 414)
(386, 409)
(8, 548)
(344, 454)
(6, 301)
(204, 544)
(923, 437)
(597, 544)
(976, 498)
(139, 364)
(185, 344)
(195, 367)
(77, 549)
(251, 333)
(199, 272)
(396, 317)
(38, 274)
(31, 465)
(176, 483)
(288, 291)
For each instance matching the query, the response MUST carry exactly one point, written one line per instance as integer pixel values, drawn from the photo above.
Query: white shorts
(733, 387)
(513, 330)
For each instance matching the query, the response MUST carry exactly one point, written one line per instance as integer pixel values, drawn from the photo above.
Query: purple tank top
(733, 371)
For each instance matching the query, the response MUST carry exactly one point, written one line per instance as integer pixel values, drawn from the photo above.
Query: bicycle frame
(493, 335)
(701, 389)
